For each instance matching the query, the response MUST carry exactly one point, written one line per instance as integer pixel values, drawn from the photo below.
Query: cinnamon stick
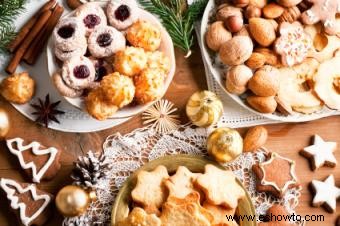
(35, 49)
(27, 41)
(28, 26)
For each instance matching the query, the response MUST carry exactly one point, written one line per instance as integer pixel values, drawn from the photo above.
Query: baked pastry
(104, 41)
(149, 85)
(78, 73)
(130, 61)
(91, 15)
(65, 55)
(18, 88)
(97, 106)
(102, 68)
(158, 60)
(118, 89)
(64, 89)
(145, 35)
(122, 13)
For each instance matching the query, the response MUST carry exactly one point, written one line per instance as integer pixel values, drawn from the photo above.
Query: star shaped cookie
(220, 187)
(321, 153)
(326, 193)
(275, 175)
(272, 214)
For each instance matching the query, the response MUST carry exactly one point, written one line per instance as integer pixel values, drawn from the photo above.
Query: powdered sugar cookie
(78, 73)
(321, 153)
(91, 15)
(104, 41)
(64, 89)
(326, 193)
(70, 53)
(122, 13)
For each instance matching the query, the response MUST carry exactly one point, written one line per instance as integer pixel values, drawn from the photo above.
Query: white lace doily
(130, 152)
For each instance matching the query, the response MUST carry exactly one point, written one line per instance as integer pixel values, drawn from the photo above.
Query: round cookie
(91, 15)
(130, 61)
(64, 55)
(78, 73)
(104, 41)
(122, 13)
(97, 107)
(102, 68)
(64, 89)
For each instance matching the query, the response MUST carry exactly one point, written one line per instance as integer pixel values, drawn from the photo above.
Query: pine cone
(90, 169)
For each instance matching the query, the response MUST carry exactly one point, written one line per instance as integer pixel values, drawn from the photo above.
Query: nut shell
(256, 60)
(253, 11)
(216, 35)
(270, 55)
(234, 23)
(255, 138)
(237, 79)
(272, 11)
(224, 11)
(258, 3)
(236, 51)
(262, 104)
(241, 3)
(262, 31)
(265, 82)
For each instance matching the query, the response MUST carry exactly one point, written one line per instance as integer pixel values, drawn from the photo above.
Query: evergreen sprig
(9, 9)
(178, 22)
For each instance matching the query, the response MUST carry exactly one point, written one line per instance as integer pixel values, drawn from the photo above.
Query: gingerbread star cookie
(275, 175)
(39, 162)
(326, 193)
(181, 184)
(215, 182)
(30, 204)
(272, 216)
(139, 217)
(321, 153)
(150, 191)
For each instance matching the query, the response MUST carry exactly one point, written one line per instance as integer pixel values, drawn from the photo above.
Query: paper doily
(133, 150)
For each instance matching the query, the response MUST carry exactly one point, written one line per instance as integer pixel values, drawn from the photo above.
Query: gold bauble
(204, 108)
(73, 201)
(225, 144)
(4, 123)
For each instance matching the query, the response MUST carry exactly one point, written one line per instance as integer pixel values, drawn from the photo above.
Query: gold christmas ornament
(73, 201)
(4, 123)
(225, 144)
(204, 108)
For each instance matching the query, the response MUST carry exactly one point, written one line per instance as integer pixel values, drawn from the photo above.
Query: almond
(265, 82)
(258, 3)
(255, 138)
(272, 11)
(262, 31)
(262, 104)
(270, 55)
(256, 61)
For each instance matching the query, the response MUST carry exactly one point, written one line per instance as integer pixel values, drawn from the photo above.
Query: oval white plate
(166, 47)
(217, 74)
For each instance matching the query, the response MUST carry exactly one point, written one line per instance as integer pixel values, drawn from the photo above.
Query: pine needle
(179, 23)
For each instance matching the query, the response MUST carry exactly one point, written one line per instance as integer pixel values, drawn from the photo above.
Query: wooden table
(287, 139)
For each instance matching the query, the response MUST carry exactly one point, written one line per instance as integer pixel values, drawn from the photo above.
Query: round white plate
(217, 71)
(166, 47)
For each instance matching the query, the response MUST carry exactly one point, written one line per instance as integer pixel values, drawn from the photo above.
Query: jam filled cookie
(64, 89)
(73, 52)
(92, 16)
(104, 41)
(122, 13)
(78, 73)
(145, 35)
(102, 68)
(130, 61)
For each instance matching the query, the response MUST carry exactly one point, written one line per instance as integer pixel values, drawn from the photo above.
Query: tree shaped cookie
(39, 162)
(30, 204)
(326, 193)
(150, 191)
(275, 216)
(275, 175)
(220, 187)
(324, 11)
(320, 153)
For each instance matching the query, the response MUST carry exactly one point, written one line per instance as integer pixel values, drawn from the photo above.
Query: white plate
(166, 47)
(217, 74)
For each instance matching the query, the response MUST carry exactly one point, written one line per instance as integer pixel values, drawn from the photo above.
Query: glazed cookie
(122, 13)
(78, 73)
(104, 41)
(64, 89)
(40, 163)
(130, 61)
(31, 205)
(91, 15)
(275, 175)
(145, 35)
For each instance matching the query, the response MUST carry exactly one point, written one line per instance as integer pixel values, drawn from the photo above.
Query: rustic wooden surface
(287, 139)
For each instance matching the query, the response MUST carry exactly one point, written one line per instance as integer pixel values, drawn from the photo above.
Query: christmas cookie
(31, 205)
(64, 89)
(158, 60)
(150, 191)
(215, 182)
(104, 41)
(324, 11)
(102, 68)
(271, 216)
(326, 193)
(275, 175)
(293, 44)
(39, 162)
(122, 13)
(221, 214)
(130, 61)
(91, 15)
(72, 52)
(321, 153)
(139, 217)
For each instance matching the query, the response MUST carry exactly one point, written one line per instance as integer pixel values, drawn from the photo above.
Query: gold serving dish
(195, 164)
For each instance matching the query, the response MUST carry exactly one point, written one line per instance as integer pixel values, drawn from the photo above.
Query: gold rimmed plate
(194, 163)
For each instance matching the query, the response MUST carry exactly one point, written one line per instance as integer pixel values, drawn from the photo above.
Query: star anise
(46, 111)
